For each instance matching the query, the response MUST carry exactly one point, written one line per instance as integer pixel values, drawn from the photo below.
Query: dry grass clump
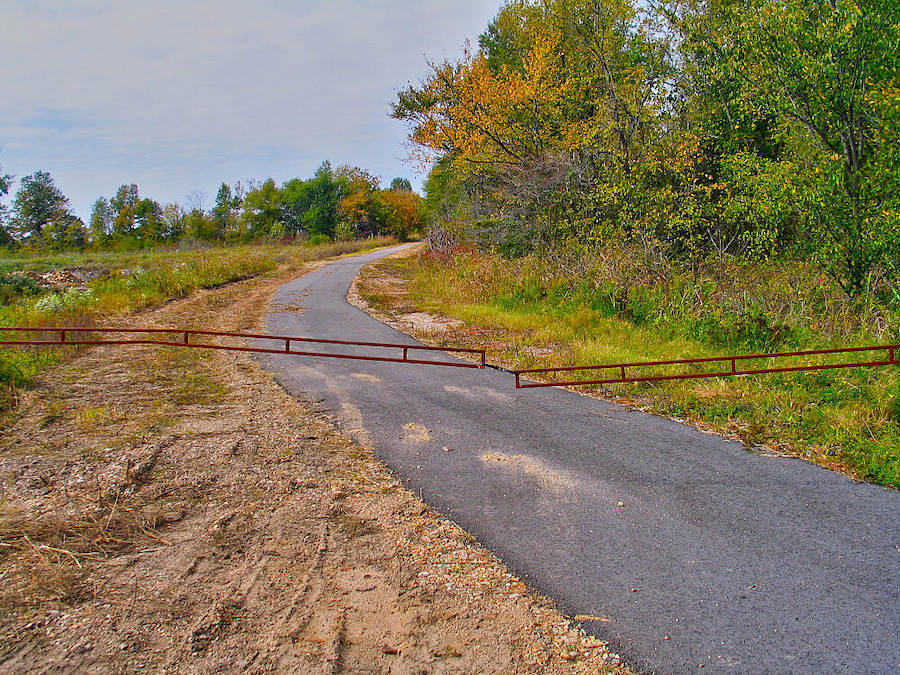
(44, 553)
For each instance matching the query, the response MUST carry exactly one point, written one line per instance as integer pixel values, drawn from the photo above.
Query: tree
(557, 127)
(223, 211)
(324, 193)
(829, 68)
(101, 223)
(401, 184)
(506, 41)
(123, 206)
(400, 212)
(224, 199)
(467, 110)
(76, 233)
(150, 226)
(198, 225)
(734, 182)
(357, 209)
(263, 208)
(64, 234)
(296, 199)
(6, 238)
(195, 201)
(38, 203)
(173, 219)
(5, 181)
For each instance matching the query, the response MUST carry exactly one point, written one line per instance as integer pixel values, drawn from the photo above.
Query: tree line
(688, 128)
(343, 203)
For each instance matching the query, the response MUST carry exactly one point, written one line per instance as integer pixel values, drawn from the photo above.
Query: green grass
(131, 282)
(165, 257)
(542, 316)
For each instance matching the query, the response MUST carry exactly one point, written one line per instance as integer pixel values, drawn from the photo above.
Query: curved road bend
(719, 557)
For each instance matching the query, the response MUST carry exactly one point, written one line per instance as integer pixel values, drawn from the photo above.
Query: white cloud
(182, 95)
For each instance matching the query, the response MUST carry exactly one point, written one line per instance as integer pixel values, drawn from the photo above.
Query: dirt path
(177, 511)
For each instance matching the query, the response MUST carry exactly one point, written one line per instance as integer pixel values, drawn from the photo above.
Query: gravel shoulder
(176, 510)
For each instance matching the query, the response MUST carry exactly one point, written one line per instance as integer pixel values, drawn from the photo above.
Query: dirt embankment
(177, 511)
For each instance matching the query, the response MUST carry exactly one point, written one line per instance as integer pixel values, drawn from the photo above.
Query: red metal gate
(890, 351)
(183, 339)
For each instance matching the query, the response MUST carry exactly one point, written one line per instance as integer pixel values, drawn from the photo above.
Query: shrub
(14, 286)
(72, 300)
(344, 231)
(641, 304)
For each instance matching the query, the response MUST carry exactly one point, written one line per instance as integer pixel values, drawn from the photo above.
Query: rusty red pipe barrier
(893, 351)
(185, 335)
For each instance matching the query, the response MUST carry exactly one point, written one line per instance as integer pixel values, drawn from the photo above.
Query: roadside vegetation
(624, 181)
(94, 288)
(334, 205)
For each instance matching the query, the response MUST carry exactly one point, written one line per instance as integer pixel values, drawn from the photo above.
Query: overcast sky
(180, 95)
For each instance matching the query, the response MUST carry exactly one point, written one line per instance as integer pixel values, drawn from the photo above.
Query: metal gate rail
(65, 337)
(185, 341)
(893, 351)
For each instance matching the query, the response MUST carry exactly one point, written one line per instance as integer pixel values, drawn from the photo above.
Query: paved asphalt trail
(746, 563)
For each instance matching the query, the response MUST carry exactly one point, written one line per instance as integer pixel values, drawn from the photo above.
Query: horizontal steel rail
(892, 353)
(65, 339)
(185, 341)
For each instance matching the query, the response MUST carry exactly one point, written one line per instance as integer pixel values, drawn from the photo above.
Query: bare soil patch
(394, 307)
(175, 510)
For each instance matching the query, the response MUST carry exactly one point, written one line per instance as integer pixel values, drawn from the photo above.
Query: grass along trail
(109, 288)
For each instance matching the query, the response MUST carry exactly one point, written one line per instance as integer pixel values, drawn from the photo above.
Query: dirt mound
(64, 279)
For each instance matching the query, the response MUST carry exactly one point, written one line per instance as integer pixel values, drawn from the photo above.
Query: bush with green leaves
(69, 301)
(14, 286)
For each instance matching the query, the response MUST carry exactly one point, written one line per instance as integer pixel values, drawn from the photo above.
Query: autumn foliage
(760, 129)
